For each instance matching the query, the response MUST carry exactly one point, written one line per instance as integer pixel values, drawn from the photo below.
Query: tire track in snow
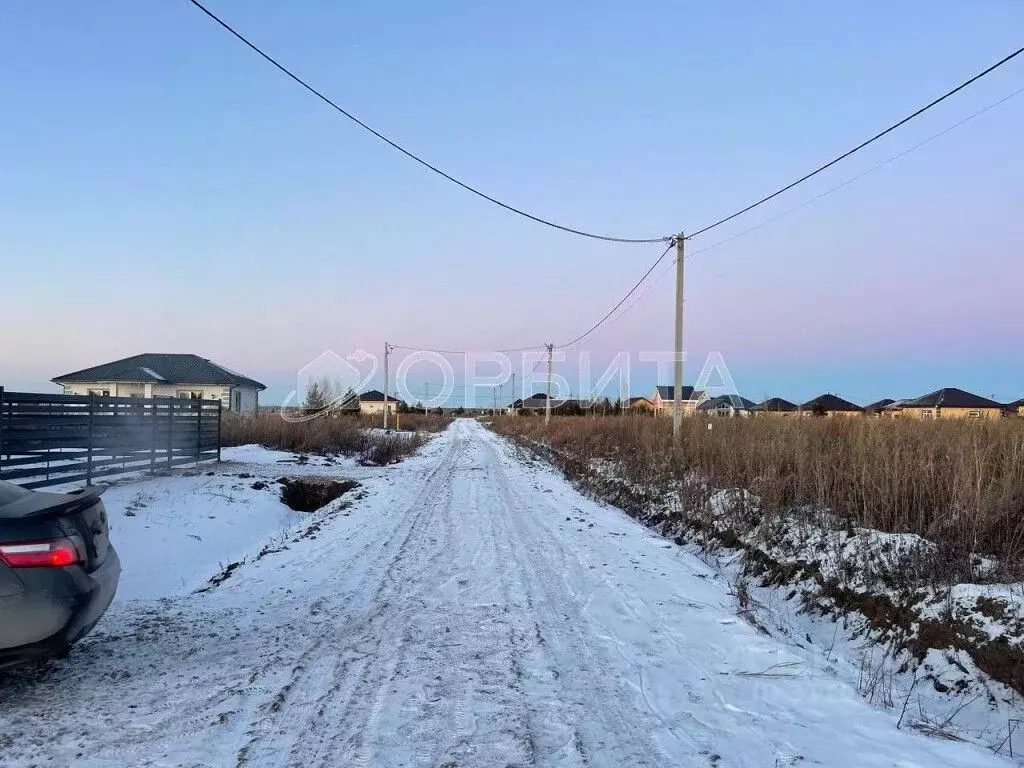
(303, 733)
(454, 618)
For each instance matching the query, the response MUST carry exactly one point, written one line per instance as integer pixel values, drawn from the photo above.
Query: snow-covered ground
(471, 609)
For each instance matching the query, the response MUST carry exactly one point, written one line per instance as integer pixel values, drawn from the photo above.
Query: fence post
(2, 430)
(88, 455)
(199, 431)
(49, 415)
(220, 416)
(170, 431)
(152, 440)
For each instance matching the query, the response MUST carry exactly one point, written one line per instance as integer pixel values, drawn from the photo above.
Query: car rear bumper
(58, 607)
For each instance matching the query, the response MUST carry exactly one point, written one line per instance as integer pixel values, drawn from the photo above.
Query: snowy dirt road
(471, 610)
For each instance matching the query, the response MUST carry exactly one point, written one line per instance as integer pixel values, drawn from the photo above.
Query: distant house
(641, 404)
(830, 405)
(664, 400)
(536, 401)
(951, 403)
(880, 408)
(727, 405)
(371, 403)
(166, 375)
(776, 405)
(1016, 407)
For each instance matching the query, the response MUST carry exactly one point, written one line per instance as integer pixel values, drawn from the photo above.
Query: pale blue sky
(162, 189)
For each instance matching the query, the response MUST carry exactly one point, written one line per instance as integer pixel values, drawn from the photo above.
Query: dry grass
(959, 484)
(418, 421)
(327, 434)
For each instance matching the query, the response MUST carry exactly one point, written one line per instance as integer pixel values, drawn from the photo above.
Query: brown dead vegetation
(330, 434)
(958, 484)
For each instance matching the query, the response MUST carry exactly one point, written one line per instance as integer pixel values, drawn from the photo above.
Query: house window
(975, 414)
(100, 392)
(237, 407)
(927, 414)
(191, 394)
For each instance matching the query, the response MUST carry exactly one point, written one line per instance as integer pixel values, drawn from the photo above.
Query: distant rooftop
(830, 402)
(160, 368)
(951, 397)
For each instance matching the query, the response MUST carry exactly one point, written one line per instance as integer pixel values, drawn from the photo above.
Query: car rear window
(9, 493)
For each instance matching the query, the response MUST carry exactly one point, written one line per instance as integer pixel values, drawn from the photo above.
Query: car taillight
(56, 553)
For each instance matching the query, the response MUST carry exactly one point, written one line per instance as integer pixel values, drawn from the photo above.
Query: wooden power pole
(677, 410)
(547, 403)
(387, 351)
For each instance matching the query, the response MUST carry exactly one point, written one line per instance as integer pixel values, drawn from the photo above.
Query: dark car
(58, 571)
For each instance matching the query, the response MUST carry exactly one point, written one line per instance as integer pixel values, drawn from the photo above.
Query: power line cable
(579, 338)
(395, 145)
(859, 147)
(465, 351)
(862, 174)
(547, 222)
(671, 240)
(654, 281)
(622, 301)
(737, 235)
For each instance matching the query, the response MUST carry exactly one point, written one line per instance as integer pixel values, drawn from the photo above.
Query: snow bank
(855, 595)
(173, 532)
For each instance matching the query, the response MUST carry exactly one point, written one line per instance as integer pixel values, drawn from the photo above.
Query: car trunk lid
(36, 516)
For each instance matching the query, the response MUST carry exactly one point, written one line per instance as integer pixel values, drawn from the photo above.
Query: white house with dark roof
(371, 403)
(166, 375)
(951, 403)
(664, 399)
(727, 405)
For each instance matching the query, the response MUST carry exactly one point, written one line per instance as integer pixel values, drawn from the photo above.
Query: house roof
(638, 399)
(777, 404)
(1016, 403)
(879, 404)
(668, 392)
(830, 402)
(530, 402)
(161, 368)
(736, 401)
(951, 397)
(376, 396)
(541, 401)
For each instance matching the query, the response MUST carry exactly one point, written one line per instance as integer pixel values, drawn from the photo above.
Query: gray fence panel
(57, 439)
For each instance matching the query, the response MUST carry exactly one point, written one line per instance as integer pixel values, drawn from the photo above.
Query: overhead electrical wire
(819, 196)
(654, 281)
(862, 145)
(547, 222)
(622, 301)
(583, 233)
(409, 348)
(395, 145)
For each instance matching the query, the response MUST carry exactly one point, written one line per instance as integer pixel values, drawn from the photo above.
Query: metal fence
(56, 439)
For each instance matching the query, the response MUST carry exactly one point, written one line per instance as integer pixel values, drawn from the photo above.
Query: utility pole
(426, 395)
(513, 403)
(677, 411)
(547, 403)
(387, 351)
